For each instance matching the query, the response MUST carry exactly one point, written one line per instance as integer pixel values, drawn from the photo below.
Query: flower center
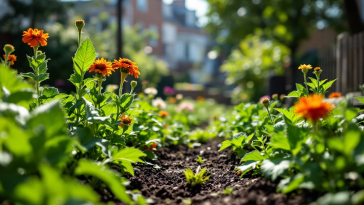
(101, 67)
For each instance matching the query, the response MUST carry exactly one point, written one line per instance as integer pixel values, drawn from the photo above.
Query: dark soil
(167, 184)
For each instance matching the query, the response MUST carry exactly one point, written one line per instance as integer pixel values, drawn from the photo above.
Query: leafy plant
(200, 160)
(199, 178)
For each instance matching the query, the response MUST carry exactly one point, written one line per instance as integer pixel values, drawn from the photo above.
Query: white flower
(185, 106)
(111, 88)
(179, 97)
(151, 91)
(159, 103)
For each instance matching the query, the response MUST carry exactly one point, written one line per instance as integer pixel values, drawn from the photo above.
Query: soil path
(167, 184)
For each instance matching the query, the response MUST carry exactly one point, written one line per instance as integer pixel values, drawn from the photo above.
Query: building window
(142, 5)
(154, 41)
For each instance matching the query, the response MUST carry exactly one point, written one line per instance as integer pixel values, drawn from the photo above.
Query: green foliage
(200, 160)
(199, 178)
(249, 66)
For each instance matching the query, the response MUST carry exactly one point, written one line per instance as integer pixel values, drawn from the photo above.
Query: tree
(285, 21)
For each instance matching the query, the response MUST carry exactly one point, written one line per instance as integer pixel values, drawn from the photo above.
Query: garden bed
(165, 182)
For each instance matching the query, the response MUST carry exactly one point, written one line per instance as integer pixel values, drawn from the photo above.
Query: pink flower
(168, 90)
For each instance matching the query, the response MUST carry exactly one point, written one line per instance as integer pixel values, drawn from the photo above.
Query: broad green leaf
(273, 168)
(88, 80)
(342, 197)
(30, 75)
(92, 114)
(11, 80)
(21, 97)
(125, 101)
(84, 57)
(361, 99)
(109, 177)
(328, 85)
(43, 77)
(75, 79)
(43, 67)
(129, 154)
(254, 156)
(300, 87)
(280, 141)
(295, 135)
(246, 166)
(42, 115)
(289, 114)
(225, 144)
(351, 138)
(50, 92)
(294, 94)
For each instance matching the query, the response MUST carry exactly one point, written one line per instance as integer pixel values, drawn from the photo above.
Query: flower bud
(275, 96)
(317, 71)
(133, 84)
(80, 24)
(282, 97)
(8, 49)
(266, 102)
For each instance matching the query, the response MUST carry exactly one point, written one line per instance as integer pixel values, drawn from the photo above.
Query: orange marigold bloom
(317, 68)
(35, 37)
(335, 95)
(11, 59)
(163, 113)
(102, 66)
(127, 66)
(200, 99)
(265, 100)
(312, 107)
(125, 120)
(172, 100)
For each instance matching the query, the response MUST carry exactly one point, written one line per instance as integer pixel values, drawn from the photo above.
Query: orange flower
(305, 67)
(312, 107)
(102, 66)
(125, 120)
(200, 99)
(127, 66)
(163, 114)
(35, 37)
(172, 100)
(335, 95)
(11, 59)
(317, 69)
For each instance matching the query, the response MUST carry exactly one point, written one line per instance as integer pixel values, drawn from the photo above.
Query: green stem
(305, 74)
(79, 38)
(318, 84)
(6, 58)
(270, 117)
(123, 76)
(35, 48)
(100, 86)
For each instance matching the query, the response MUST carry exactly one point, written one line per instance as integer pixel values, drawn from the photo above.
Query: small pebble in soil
(208, 148)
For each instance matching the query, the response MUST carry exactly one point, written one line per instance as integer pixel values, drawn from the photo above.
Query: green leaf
(294, 94)
(328, 85)
(84, 57)
(109, 177)
(88, 80)
(75, 79)
(43, 77)
(125, 101)
(290, 114)
(129, 154)
(295, 135)
(300, 87)
(246, 166)
(30, 75)
(274, 168)
(43, 67)
(50, 92)
(361, 99)
(254, 156)
(92, 114)
(342, 197)
(51, 116)
(32, 63)
(225, 144)
(280, 141)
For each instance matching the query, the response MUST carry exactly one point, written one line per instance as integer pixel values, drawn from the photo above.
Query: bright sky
(199, 5)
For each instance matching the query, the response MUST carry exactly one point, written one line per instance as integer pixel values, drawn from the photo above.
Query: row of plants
(58, 148)
(314, 145)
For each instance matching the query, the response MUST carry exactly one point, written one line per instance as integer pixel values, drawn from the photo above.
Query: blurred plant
(200, 160)
(249, 66)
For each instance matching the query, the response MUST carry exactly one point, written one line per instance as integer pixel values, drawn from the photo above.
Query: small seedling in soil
(196, 179)
(200, 160)
(229, 190)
